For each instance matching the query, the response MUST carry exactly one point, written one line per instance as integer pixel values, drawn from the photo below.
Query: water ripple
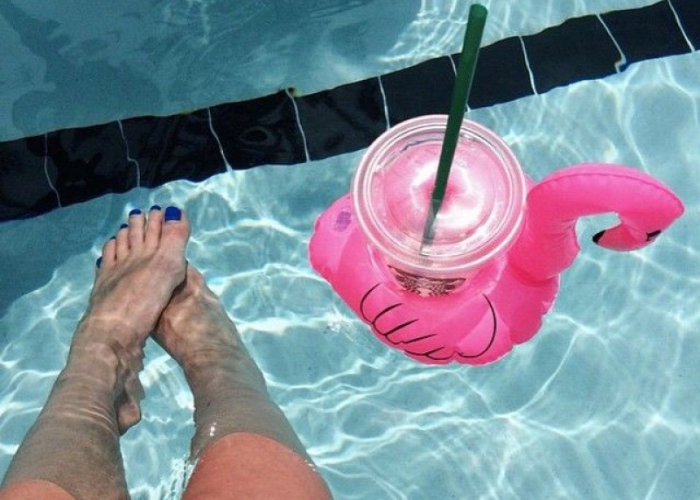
(600, 404)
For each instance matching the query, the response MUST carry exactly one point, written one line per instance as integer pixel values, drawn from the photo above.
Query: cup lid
(482, 211)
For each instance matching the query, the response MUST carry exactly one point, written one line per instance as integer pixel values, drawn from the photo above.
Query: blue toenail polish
(123, 226)
(99, 262)
(135, 211)
(155, 207)
(172, 213)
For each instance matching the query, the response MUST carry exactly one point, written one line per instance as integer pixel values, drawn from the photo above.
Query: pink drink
(480, 217)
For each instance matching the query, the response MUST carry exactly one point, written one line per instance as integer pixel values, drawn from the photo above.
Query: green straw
(460, 94)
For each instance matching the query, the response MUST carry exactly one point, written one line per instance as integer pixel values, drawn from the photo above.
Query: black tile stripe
(345, 119)
(429, 90)
(578, 49)
(647, 33)
(24, 189)
(689, 15)
(87, 162)
(261, 131)
(177, 147)
(500, 66)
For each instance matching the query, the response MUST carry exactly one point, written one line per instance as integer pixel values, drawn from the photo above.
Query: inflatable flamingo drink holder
(491, 270)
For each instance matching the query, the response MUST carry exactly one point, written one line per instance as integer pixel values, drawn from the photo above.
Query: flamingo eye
(652, 236)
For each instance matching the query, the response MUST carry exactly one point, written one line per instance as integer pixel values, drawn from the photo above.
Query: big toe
(176, 228)
(168, 231)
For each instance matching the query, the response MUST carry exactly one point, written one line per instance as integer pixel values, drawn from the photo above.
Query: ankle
(107, 355)
(95, 326)
(209, 362)
(107, 338)
(217, 373)
(218, 346)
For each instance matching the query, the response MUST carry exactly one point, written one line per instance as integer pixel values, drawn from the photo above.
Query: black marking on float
(384, 311)
(373, 321)
(427, 354)
(418, 339)
(364, 299)
(400, 327)
(87, 162)
(652, 236)
(494, 318)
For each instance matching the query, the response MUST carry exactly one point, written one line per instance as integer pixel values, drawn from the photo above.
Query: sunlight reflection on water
(600, 404)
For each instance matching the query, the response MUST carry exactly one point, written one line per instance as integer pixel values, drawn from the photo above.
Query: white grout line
(46, 170)
(623, 58)
(678, 22)
(128, 155)
(452, 62)
(386, 105)
(454, 69)
(301, 129)
(218, 141)
(527, 63)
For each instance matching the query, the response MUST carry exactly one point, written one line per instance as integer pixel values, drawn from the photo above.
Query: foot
(137, 274)
(230, 394)
(194, 328)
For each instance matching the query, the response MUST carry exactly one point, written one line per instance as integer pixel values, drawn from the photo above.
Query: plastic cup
(480, 217)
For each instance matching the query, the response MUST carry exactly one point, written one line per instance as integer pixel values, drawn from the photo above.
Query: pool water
(600, 404)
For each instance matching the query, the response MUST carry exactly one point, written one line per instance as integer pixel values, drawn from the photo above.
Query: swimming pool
(600, 404)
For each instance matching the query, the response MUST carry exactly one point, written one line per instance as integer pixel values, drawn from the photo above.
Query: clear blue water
(602, 403)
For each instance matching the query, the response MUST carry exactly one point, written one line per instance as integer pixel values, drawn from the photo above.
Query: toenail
(155, 207)
(123, 226)
(135, 211)
(172, 213)
(99, 262)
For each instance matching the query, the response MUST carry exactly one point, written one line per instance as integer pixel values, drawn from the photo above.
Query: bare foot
(194, 328)
(229, 390)
(139, 270)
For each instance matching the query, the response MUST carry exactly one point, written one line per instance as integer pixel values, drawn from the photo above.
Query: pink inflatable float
(503, 304)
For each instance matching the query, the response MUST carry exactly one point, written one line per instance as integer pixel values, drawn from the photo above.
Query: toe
(153, 227)
(137, 227)
(128, 412)
(176, 230)
(109, 254)
(122, 242)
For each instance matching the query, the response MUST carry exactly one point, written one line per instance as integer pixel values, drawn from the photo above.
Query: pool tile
(173, 147)
(24, 187)
(648, 32)
(501, 74)
(259, 131)
(355, 111)
(578, 49)
(420, 90)
(90, 162)
(689, 13)
(83, 163)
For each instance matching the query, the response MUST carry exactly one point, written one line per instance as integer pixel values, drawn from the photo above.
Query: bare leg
(75, 440)
(230, 394)
(229, 390)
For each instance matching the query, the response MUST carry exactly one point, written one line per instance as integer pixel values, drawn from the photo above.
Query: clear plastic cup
(480, 217)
